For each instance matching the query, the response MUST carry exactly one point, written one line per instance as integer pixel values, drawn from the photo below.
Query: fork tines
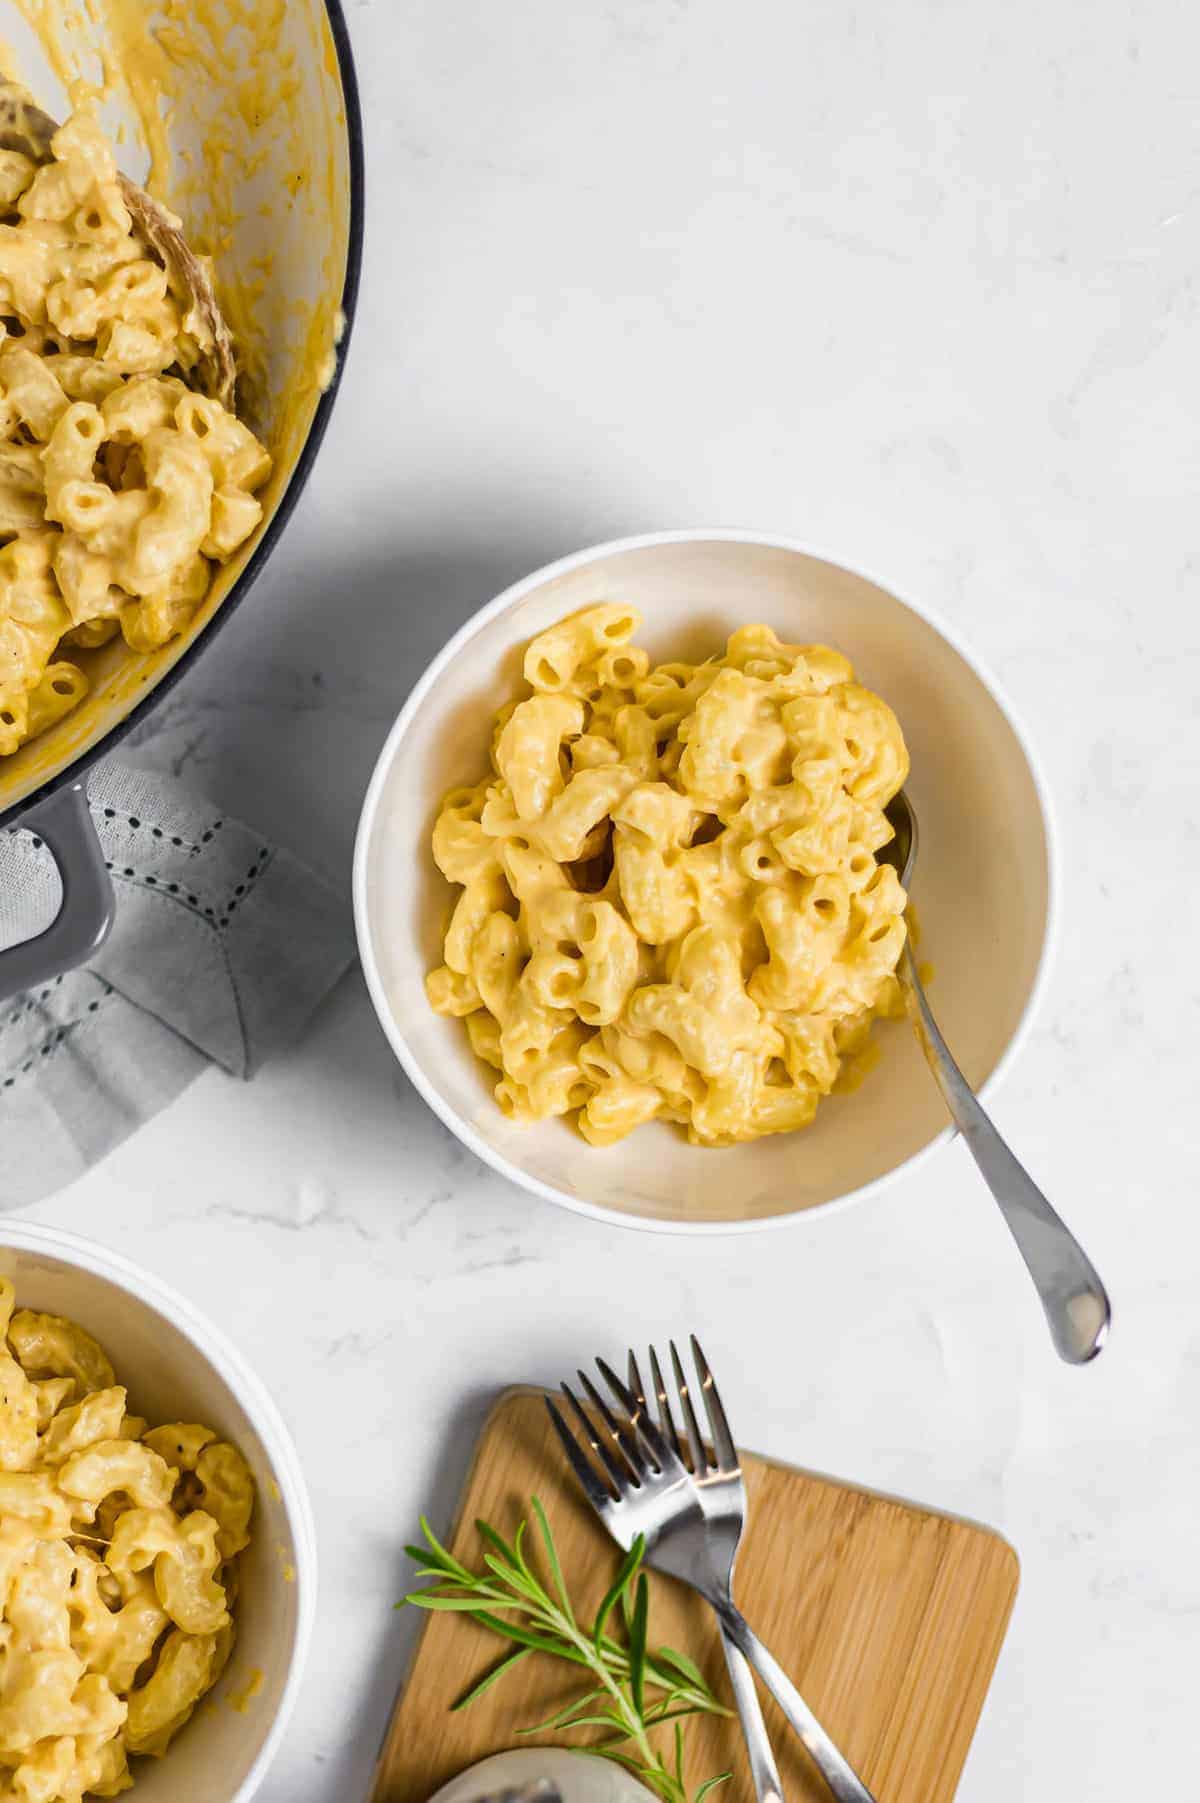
(626, 1445)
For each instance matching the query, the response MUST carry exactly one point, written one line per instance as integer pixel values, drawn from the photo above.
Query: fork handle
(763, 1770)
(844, 1783)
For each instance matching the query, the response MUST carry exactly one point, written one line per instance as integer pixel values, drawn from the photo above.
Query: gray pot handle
(81, 925)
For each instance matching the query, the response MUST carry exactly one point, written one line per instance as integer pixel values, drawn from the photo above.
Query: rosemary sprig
(630, 1691)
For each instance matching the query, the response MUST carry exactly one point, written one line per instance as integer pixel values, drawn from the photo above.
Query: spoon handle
(1073, 1298)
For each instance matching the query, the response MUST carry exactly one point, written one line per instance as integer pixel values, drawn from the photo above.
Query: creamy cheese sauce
(228, 111)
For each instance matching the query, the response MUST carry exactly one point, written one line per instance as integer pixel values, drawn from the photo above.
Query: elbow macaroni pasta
(671, 906)
(120, 486)
(118, 1551)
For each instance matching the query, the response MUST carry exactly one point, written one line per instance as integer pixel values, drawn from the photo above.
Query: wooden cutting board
(888, 1617)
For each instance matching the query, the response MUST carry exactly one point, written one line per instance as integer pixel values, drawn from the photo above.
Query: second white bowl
(177, 1367)
(982, 888)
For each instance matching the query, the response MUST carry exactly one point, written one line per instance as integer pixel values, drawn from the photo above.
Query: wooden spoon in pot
(25, 127)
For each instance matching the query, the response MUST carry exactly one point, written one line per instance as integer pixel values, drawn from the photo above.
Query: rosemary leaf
(541, 1643)
(592, 1721)
(563, 1717)
(680, 1663)
(631, 1694)
(511, 1575)
(497, 1543)
(556, 1571)
(620, 1584)
(461, 1605)
(637, 1645)
(444, 1558)
(490, 1678)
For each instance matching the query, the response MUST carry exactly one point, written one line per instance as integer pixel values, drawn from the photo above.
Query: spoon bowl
(901, 851)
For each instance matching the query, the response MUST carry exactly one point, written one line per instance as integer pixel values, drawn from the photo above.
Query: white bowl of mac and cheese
(623, 912)
(155, 1536)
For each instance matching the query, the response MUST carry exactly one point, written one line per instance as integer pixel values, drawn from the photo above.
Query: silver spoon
(1073, 1298)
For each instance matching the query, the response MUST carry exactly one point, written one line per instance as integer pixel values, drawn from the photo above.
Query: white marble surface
(916, 283)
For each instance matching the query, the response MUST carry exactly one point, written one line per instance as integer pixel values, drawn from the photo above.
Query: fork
(722, 1485)
(691, 1521)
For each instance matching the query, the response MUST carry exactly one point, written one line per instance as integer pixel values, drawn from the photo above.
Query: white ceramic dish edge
(375, 789)
(231, 1367)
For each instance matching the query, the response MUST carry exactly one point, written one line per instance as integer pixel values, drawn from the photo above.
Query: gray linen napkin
(223, 945)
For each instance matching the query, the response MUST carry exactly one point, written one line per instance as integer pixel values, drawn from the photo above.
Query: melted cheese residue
(242, 1699)
(230, 112)
(158, 59)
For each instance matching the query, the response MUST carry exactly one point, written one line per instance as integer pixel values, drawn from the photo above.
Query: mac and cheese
(120, 485)
(671, 904)
(118, 1550)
